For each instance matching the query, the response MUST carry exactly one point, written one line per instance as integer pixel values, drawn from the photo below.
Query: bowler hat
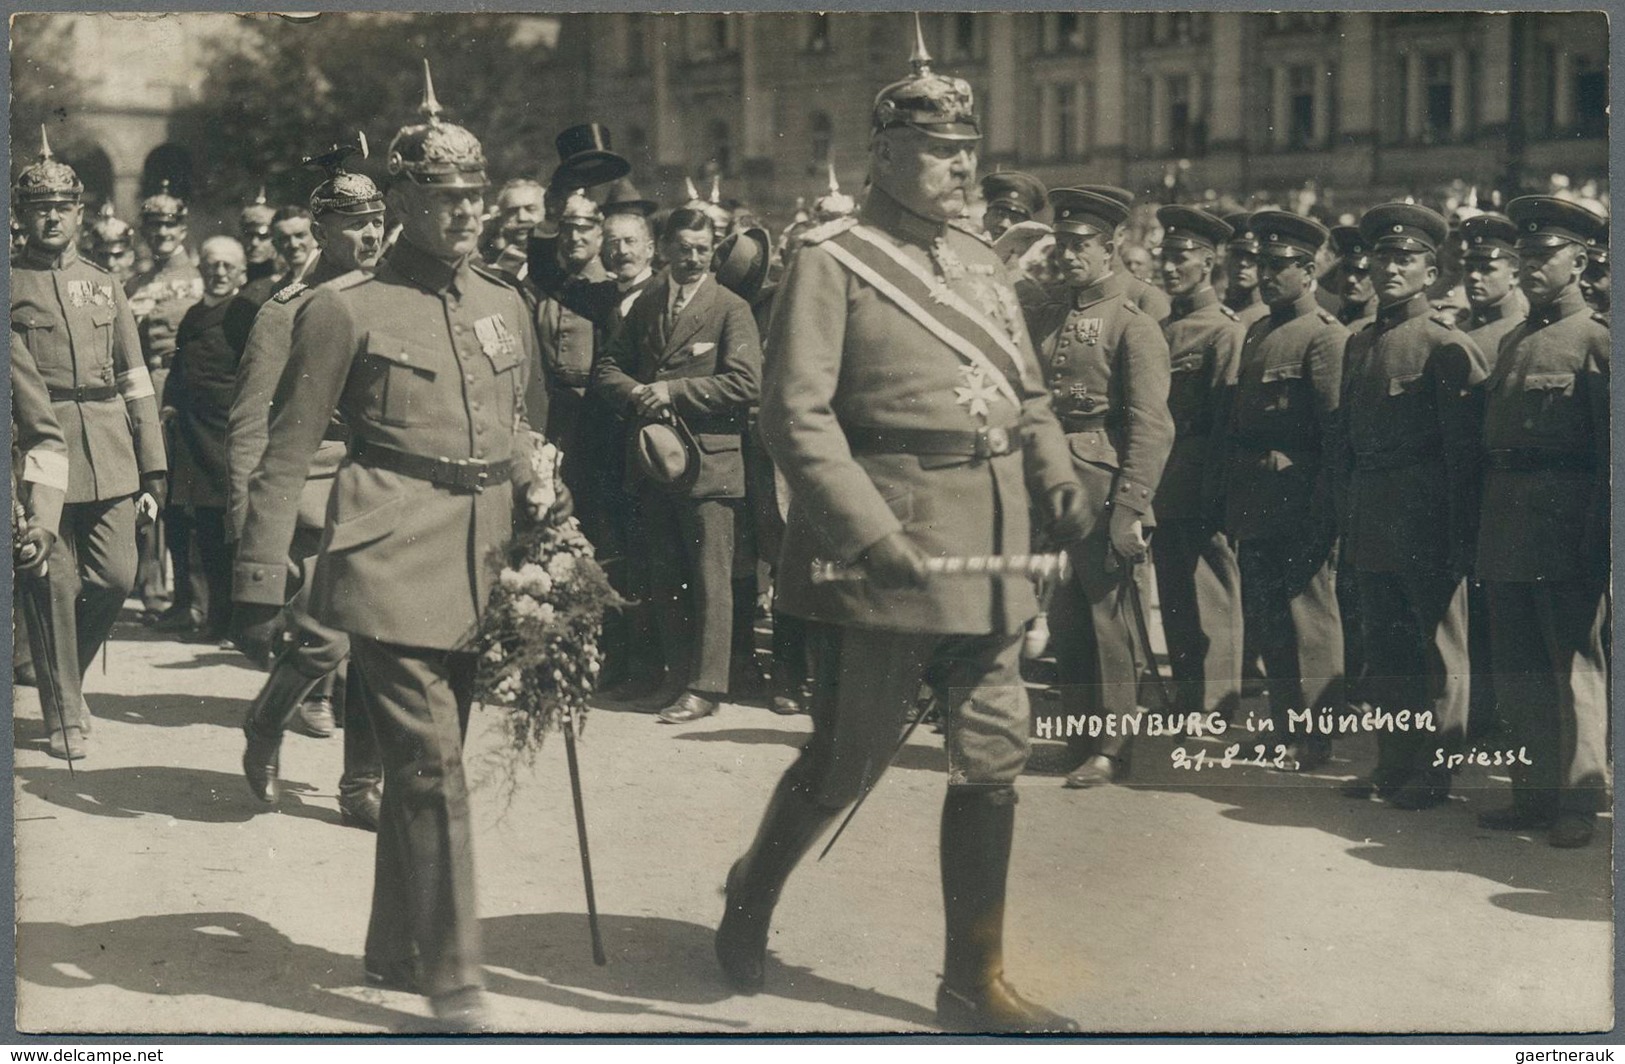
(624, 198)
(666, 454)
(585, 158)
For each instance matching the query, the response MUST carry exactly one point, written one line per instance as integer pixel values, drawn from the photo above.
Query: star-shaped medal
(976, 392)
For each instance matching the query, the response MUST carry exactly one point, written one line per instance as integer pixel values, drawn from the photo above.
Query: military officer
(903, 405)
(1412, 413)
(72, 318)
(1012, 197)
(427, 361)
(1355, 290)
(39, 482)
(254, 230)
(159, 297)
(349, 228)
(1278, 498)
(1543, 534)
(1241, 292)
(1106, 364)
(1147, 296)
(1198, 582)
(111, 245)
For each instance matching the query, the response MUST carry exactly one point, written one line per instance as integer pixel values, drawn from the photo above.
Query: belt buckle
(992, 442)
(472, 474)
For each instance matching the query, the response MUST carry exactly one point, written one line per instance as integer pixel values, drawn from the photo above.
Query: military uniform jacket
(202, 379)
(248, 422)
(73, 319)
(1204, 349)
(1151, 300)
(711, 358)
(1412, 413)
(846, 357)
(39, 452)
(159, 298)
(425, 357)
(1288, 386)
(1490, 324)
(1106, 364)
(568, 337)
(1249, 310)
(1545, 507)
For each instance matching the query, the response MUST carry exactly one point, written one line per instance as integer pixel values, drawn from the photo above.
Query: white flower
(544, 613)
(562, 566)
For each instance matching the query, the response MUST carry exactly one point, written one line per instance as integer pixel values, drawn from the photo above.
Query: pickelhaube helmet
(110, 233)
(835, 203)
(436, 153)
(580, 208)
(257, 216)
(47, 180)
(344, 192)
(163, 207)
(935, 105)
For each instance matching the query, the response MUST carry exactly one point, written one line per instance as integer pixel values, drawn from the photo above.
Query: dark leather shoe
(665, 693)
(262, 766)
(691, 706)
(1422, 791)
(1515, 818)
(67, 744)
(785, 706)
(1572, 830)
(997, 1009)
(1098, 771)
(393, 975)
(741, 942)
(315, 718)
(462, 1012)
(178, 619)
(360, 810)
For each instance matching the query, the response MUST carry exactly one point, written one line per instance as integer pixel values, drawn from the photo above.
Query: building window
(821, 140)
(710, 36)
(817, 34)
(1060, 117)
(720, 139)
(1590, 98)
(1063, 32)
(1300, 21)
(1187, 127)
(1438, 97)
(964, 37)
(1300, 107)
(1178, 27)
(636, 49)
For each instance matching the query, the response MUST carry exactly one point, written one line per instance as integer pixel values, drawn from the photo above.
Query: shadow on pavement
(209, 658)
(655, 960)
(168, 710)
(224, 955)
(194, 794)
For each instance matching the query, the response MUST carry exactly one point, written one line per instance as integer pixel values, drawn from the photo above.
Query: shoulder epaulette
(832, 228)
(1227, 312)
(493, 274)
(1447, 318)
(1328, 317)
(1132, 307)
(964, 226)
(290, 293)
(98, 267)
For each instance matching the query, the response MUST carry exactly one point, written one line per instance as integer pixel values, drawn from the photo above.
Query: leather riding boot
(977, 826)
(268, 715)
(790, 826)
(362, 783)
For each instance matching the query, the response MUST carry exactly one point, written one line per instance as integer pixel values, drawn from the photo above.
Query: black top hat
(1188, 227)
(741, 262)
(585, 158)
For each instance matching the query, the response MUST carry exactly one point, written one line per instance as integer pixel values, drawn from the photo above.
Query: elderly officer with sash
(905, 409)
(427, 360)
(1412, 409)
(72, 317)
(1544, 529)
(1198, 581)
(349, 227)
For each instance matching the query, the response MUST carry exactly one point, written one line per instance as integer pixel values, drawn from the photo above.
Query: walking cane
(1132, 590)
(37, 622)
(598, 957)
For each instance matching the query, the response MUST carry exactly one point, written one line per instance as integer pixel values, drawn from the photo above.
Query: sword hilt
(1033, 566)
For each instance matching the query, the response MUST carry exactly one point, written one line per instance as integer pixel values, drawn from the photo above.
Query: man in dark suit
(689, 349)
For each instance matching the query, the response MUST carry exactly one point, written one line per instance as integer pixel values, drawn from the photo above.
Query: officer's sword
(1132, 590)
(37, 622)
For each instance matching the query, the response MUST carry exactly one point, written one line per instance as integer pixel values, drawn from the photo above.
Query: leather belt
(458, 474)
(336, 432)
(1531, 459)
(982, 443)
(100, 393)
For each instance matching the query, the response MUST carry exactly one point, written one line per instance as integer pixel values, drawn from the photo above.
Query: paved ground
(154, 894)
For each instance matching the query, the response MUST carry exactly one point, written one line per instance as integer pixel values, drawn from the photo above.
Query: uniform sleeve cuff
(1132, 496)
(261, 583)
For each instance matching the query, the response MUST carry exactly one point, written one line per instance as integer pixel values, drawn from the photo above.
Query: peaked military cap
(1242, 237)
(935, 105)
(1489, 236)
(1014, 191)
(47, 179)
(1121, 195)
(1286, 233)
(580, 208)
(1188, 227)
(1086, 213)
(435, 152)
(344, 192)
(1404, 227)
(1350, 246)
(163, 207)
(1547, 221)
(109, 232)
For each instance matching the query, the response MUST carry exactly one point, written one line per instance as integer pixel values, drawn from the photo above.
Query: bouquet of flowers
(538, 641)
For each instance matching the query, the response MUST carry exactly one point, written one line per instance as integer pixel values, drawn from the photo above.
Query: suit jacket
(73, 319)
(844, 356)
(202, 380)
(709, 355)
(426, 357)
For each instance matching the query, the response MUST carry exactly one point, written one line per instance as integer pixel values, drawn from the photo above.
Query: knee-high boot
(790, 826)
(267, 717)
(977, 826)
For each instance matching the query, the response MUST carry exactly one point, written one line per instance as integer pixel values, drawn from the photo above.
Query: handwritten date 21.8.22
(1262, 757)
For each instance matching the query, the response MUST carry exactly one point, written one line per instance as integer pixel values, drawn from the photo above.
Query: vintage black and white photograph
(1069, 523)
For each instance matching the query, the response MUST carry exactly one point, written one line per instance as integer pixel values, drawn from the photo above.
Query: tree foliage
(284, 90)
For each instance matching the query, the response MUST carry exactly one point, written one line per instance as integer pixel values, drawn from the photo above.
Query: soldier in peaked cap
(72, 317)
(254, 230)
(348, 211)
(1544, 531)
(901, 321)
(427, 360)
(111, 244)
(1106, 364)
(1278, 498)
(1147, 296)
(1011, 197)
(1198, 581)
(1350, 277)
(1412, 412)
(1241, 292)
